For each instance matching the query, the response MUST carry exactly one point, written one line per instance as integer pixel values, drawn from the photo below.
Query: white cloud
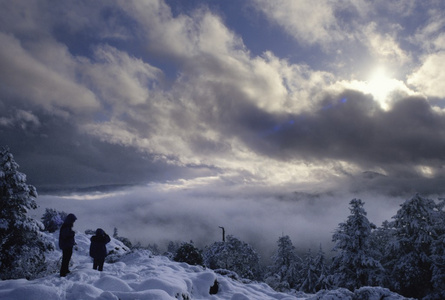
(25, 76)
(383, 47)
(121, 80)
(163, 34)
(430, 36)
(429, 78)
(309, 22)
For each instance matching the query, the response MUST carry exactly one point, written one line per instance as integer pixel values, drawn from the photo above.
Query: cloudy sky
(210, 102)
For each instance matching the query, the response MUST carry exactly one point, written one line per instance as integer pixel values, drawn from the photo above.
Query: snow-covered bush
(22, 244)
(53, 219)
(188, 253)
(233, 255)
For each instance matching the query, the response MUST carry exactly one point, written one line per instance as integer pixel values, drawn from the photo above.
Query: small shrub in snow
(188, 253)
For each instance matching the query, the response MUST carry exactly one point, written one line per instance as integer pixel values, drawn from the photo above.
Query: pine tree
(438, 255)
(283, 274)
(380, 239)
(314, 273)
(22, 245)
(354, 265)
(308, 274)
(418, 228)
(322, 271)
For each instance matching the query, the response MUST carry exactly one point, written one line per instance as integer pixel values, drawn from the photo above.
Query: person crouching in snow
(98, 250)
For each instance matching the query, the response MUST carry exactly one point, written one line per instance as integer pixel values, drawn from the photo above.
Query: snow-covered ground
(140, 275)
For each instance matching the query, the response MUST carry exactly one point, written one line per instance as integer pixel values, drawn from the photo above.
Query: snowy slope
(140, 275)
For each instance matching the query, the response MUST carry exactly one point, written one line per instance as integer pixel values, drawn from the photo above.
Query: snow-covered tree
(418, 230)
(354, 266)
(380, 238)
(314, 273)
(233, 255)
(438, 256)
(282, 275)
(22, 244)
(322, 271)
(307, 274)
(53, 219)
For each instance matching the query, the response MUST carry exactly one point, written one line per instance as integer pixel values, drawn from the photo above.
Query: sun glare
(380, 85)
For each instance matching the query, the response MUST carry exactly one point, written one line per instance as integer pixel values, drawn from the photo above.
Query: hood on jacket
(100, 232)
(70, 219)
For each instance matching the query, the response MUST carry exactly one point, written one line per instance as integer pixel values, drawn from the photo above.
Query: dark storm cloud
(353, 127)
(55, 154)
(406, 143)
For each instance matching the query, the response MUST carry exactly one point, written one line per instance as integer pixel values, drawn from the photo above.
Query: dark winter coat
(66, 235)
(98, 249)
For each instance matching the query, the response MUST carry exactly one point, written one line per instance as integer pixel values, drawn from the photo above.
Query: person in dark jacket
(66, 243)
(98, 250)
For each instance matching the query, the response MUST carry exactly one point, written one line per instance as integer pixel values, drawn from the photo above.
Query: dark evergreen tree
(418, 228)
(188, 253)
(308, 274)
(282, 275)
(22, 244)
(314, 275)
(322, 271)
(354, 266)
(233, 255)
(438, 256)
(380, 239)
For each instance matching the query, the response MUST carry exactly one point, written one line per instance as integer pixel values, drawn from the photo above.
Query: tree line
(406, 254)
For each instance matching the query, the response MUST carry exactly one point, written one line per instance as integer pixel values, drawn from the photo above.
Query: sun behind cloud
(381, 85)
